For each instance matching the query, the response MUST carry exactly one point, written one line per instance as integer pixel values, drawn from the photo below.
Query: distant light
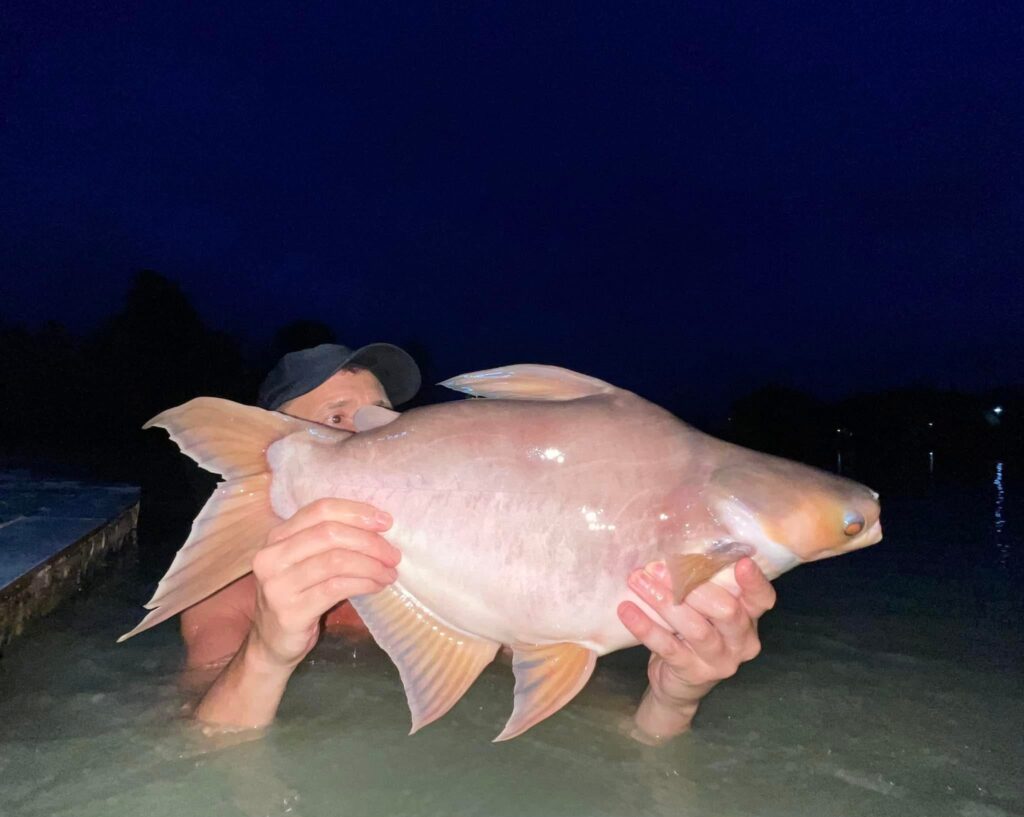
(1000, 520)
(997, 410)
(930, 424)
(839, 431)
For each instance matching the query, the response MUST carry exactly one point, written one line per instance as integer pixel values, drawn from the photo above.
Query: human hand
(708, 636)
(325, 553)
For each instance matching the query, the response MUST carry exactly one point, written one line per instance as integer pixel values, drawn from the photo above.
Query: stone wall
(66, 572)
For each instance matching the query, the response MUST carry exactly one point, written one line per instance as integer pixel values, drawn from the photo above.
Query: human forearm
(659, 718)
(309, 563)
(248, 691)
(705, 640)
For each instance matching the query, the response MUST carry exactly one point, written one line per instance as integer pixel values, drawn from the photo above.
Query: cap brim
(392, 366)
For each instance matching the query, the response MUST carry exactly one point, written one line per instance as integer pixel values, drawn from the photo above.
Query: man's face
(336, 401)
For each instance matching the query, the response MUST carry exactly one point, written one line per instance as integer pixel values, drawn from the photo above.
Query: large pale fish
(519, 518)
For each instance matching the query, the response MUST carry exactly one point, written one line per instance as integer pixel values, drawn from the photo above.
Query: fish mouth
(872, 536)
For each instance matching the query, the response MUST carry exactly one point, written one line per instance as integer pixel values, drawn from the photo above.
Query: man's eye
(335, 419)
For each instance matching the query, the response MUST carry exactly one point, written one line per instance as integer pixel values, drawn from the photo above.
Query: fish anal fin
(436, 662)
(547, 678)
(528, 381)
(688, 570)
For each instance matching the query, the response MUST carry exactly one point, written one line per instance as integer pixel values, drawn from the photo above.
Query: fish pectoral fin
(547, 678)
(437, 663)
(528, 381)
(688, 570)
(368, 418)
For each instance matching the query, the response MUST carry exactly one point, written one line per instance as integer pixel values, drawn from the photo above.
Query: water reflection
(999, 518)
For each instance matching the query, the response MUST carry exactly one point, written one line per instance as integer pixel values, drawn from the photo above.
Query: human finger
(757, 593)
(656, 638)
(682, 618)
(726, 614)
(321, 597)
(318, 538)
(338, 563)
(331, 509)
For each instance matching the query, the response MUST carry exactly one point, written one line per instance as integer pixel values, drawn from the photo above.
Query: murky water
(890, 683)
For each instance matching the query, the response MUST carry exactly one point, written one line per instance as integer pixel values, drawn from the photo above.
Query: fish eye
(853, 523)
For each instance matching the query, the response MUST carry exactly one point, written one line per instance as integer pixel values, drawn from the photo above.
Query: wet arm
(222, 667)
(247, 692)
(325, 553)
(713, 633)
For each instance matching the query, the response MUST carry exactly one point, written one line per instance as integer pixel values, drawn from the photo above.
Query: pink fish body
(519, 518)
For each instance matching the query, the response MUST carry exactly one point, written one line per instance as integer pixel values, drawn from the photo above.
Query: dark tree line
(889, 437)
(75, 407)
(77, 404)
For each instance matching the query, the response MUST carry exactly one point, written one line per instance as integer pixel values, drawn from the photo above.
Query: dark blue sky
(684, 199)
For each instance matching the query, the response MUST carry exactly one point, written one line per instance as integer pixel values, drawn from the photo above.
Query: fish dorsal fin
(528, 381)
(688, 570)
(368, 418)
(547, 678)
(436, 662)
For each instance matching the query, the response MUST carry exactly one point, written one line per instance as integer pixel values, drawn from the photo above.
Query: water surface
(890, 683)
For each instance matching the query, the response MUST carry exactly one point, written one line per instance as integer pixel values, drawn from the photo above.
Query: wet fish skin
(519, 518)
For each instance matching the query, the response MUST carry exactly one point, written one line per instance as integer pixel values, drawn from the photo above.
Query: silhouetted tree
(41, 374)
(784, 422)
(154, 354)
(301, 334)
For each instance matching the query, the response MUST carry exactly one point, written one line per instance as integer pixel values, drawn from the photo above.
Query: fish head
(774, 503)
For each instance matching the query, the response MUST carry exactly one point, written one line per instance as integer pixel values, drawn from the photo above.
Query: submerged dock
(55, 535)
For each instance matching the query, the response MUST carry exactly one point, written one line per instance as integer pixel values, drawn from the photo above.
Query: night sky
(685, 199)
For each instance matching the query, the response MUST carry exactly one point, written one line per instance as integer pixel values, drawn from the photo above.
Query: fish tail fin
(232, 440)
(224, 437)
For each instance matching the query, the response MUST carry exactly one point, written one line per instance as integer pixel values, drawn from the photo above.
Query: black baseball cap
(299, 372)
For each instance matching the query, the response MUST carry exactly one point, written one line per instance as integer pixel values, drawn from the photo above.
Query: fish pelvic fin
(232, 440)
(436, 662)
(688, 570)
(528, 381)
(547, 678)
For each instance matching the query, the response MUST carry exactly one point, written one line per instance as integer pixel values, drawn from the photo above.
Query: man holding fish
(261, 626)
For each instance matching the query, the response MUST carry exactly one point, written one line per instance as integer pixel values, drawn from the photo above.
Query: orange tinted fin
(688, 570)
(230, 439)
(547, 678)
(528, 381)
(224, 437)
(436, 662)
